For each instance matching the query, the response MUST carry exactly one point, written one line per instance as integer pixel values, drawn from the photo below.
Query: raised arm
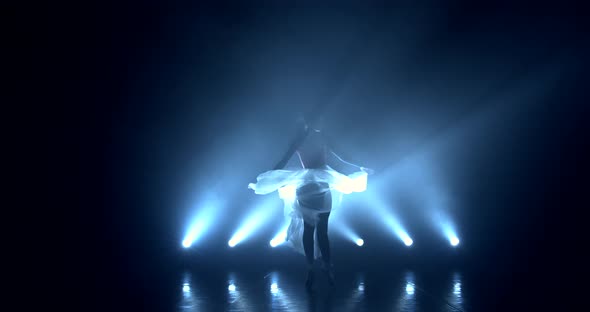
(333, 153)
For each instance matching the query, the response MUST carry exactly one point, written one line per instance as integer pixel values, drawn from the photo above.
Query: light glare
(410, 288)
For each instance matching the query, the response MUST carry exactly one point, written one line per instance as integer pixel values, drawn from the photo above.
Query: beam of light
(274, 288)
(196, 231)
(347, 232)
(186, 288)
(407, 240)
(231, 287)
(202, 222)
(450, 234)
(253, 222)
(385, 215)
(281, 236)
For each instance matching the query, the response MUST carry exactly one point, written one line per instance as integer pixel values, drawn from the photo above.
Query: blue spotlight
(231, 287)
(196, 231)
(274, 288)
(202, 221)
(253, 222)
(280, 237)
(349, 234)
(186, 288)
(390, 220)
(408, 241)
(450, 234)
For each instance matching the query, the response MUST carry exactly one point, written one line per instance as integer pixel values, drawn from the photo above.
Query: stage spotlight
(194, 233)
(450, 233)
(389, 220)
(202, 221)
(231, 287)
(274, 288)
(281, 236)
(186, 288)
(253, 221)
(347, 232)
(408, 241)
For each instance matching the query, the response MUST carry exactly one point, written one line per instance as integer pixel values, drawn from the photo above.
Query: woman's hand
(367, 170)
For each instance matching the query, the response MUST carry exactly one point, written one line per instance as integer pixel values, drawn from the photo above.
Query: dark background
(165, 96)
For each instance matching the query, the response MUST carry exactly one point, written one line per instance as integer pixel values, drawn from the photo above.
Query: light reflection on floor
(285, 291)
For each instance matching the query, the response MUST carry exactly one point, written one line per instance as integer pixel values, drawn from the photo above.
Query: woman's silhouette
(313, 185)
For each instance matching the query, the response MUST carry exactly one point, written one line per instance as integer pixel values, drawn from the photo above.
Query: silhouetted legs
(323, 242)
(308, 197)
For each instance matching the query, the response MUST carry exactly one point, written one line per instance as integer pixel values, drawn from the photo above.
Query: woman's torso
(313, 151)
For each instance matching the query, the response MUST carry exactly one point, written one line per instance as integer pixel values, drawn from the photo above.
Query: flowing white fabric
(287, 182)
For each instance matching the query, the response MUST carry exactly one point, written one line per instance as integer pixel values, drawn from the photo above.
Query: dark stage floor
(283, 290)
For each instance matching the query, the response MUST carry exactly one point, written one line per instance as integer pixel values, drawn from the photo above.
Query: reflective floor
(241, 290)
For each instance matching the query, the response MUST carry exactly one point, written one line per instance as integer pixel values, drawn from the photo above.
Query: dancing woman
(313, 197)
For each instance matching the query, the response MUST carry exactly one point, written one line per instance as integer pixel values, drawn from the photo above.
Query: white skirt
(309, 183)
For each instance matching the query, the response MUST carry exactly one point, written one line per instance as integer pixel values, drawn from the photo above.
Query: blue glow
(450, 233)
(457, 289)
(348, 233)
(202, 222)
(281, 236)
(408, 241)
(274, 288)
(447, 228)
(361, 287)
(231, 287)
(186, 288)
(384, 215)
(410, 288)
(196, 231)
(253, 222)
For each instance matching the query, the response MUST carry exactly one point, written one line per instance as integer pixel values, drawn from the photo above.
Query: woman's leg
(308, 248)
(323, 241)
(308, 244)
